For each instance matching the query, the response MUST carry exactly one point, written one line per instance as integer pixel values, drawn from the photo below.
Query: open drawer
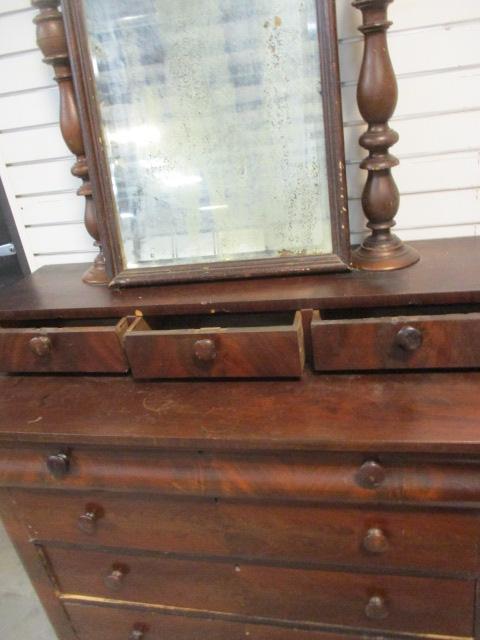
(249, 346)
(71, 348)
(413, 342)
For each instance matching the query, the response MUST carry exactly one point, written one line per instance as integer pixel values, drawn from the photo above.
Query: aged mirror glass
(214, 136)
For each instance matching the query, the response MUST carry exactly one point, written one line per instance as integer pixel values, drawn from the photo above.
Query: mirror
(220, 140)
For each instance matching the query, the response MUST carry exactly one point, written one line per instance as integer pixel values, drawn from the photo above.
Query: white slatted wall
(436, 53)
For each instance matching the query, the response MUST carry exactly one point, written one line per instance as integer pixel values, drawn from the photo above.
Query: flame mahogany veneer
(333, 506)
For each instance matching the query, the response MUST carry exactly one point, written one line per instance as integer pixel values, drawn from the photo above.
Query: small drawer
(112, 623)
(409, 342)
(217, 347)
(440, 542)
(383, 602)
(65, 349)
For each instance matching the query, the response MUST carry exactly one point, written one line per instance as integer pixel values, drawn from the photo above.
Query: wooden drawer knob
(114, 581)
(371, 475)
(409, 338)
(205, 350)
(375, 541)
(88, 521)
(41, 346)
(138, 632)
(376, 608)
(59, 465)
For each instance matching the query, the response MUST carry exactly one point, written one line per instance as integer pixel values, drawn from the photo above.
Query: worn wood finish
(107, 623)
(52, 41)
(63, 349)
(410, 342)
(419, 605)
(338, 260)
(34, 563)
(296, 477)
(377, 98)
(336, 503)
(458, 260)
(438, 542)
(241, 352)
(431, 412)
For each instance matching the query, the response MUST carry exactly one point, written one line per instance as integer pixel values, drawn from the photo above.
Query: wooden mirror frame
(99, 174)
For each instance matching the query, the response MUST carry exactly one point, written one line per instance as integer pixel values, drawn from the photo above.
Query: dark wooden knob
(114, 581)
(205, 350)
(370, 475)
(59, 465)
(376, 608)
(409, 338)
(88, 521)
(138, 632)
(375, 541)
(41, 346)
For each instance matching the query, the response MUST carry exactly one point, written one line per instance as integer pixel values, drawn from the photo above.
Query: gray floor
(21, 615)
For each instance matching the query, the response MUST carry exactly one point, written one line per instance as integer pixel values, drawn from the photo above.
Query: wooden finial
(53, 44)
(377, 98)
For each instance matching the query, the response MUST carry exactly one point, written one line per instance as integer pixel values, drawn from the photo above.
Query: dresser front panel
(433, 541)
(112, 623)
(409, 342)
(419, 605)
(94, 348)
(288, 476)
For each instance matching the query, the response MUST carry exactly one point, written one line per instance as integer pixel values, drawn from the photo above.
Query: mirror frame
(99, 171)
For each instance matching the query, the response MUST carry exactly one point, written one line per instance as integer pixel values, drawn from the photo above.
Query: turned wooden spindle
(377, 98)
(53, 44)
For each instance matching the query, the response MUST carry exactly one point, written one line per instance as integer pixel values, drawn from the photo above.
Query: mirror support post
(52, 43)
(377, 98)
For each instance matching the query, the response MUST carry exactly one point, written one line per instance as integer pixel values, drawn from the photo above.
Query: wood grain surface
(423, 412)
(437, 542)
(271, 593)
(446, 274)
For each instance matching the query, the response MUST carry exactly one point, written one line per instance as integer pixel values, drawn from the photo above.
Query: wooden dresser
(278, 459)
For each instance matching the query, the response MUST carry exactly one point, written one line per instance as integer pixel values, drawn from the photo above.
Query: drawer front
(429, 541)
(110, 623)
(394, 603)
(274, 351)
(297, 477)
(63, 350)
(417, 342)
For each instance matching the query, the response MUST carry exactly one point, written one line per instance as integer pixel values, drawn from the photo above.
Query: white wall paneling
(434, 48)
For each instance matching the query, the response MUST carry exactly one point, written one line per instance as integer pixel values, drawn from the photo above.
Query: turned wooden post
(377, 98)
(53, 44)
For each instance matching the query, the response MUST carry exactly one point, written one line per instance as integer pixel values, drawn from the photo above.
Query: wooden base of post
(388, 253)
(97, 273)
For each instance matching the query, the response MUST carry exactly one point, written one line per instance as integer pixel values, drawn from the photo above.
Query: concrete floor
(21, 615)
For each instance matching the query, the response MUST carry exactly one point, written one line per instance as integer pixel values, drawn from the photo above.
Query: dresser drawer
(430, 541)
(216, 349)
(67, 349)
(112, 623)
(411, 342)
(297, 595)
(296, 477)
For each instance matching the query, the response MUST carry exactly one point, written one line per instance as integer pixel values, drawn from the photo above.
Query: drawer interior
(217, 321)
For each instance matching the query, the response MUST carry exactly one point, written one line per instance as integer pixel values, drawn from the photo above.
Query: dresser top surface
(448, 273)
(409, 412)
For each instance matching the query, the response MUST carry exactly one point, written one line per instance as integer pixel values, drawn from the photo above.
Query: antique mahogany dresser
(239, 447)
(334, 492)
